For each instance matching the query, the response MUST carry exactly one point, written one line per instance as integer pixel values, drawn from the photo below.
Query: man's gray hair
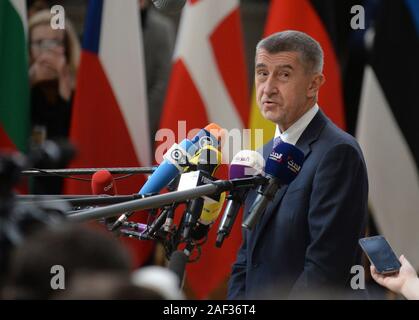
(310, 50)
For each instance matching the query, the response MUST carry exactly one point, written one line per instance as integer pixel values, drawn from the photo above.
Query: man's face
(283, 87)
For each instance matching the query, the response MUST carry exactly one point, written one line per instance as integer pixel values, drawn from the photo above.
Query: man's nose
(270, 86)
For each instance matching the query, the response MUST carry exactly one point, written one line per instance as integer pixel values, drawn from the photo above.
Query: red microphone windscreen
(103, 183)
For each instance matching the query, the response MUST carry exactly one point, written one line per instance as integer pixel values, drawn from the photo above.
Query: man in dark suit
(306, 242)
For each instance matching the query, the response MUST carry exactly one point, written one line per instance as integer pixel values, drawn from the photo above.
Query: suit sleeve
(336, 220)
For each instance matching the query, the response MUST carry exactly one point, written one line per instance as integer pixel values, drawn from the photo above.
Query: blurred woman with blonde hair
(54, 57)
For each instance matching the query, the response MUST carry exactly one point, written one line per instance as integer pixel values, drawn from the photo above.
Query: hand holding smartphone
(380, 254)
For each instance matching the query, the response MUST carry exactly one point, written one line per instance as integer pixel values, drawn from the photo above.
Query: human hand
(52, 64)
(399, 282)
(48, 65)
(54, 59)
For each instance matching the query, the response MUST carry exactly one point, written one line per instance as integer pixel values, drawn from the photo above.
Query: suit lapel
(310, 134)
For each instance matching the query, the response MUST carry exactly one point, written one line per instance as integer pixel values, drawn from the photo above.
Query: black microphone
(177, 264)
(209, 215)
(246, 163)
(282, 166)
(169, 5)
(207, 160)
(193, 211)
(158, 223)
(174, 159)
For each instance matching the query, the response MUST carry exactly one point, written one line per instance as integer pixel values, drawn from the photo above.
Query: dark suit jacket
(307, 240)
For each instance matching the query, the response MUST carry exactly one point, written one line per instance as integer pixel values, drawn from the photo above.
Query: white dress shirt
(293, 133)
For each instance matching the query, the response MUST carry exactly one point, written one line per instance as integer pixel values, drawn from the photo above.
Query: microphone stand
(35, 172)
(161, 200)
(88, 201)
(151, 202)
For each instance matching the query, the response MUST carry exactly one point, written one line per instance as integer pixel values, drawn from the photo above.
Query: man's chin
(268, 115)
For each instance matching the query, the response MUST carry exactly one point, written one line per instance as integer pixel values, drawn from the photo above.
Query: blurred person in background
(106, 286)
(159, 41)
(159, 35)
(35, 6)
(76, 248)
(159, 279)
(405, 282)
(18, 219)
(54, 58)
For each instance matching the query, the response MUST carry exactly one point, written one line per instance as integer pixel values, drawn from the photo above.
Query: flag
(387, 129)
(305, 16)
(109, 119)
(14, 82)
(208, 83)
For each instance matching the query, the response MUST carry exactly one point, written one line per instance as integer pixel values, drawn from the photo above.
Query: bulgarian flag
(14, 82)
(305, 16)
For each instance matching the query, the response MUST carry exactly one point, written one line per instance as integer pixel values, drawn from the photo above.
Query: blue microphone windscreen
(203, 138)
(189, 147)
(284, 162)
(160, 178)
(177, 156)
(171, 166)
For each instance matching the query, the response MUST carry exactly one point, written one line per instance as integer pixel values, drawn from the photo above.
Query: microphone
(175, 161)
(208, 160)
(178, 156)
(177, 264)
(209, 215)
(169, 5)
(282, 167)
(246, 163)
(103, 183)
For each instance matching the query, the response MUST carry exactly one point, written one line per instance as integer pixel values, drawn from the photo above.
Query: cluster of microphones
(192, 194)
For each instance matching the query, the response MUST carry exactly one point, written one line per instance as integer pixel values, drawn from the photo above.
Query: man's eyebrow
(284, 66)
(260, 65)
(281, 66)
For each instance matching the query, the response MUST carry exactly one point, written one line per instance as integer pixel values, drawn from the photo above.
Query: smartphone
(380, 254)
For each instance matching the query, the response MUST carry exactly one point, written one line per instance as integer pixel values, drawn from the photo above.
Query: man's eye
(284, 75)
(262, 73)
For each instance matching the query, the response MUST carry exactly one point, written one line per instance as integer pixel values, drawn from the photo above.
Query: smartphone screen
(380, 254)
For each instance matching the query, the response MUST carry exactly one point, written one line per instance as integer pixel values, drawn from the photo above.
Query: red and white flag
(110, 121)
(208, 83)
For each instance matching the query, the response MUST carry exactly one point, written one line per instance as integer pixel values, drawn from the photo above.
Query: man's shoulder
(332, 136)
(327, 136)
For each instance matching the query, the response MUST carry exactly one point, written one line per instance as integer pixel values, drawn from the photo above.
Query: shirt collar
(293, 133)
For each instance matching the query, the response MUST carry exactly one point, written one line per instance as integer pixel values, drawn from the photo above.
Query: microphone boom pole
(34, 172)
(89, 201)
(151, 202)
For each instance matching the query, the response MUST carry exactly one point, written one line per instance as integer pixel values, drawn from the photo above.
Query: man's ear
(316, 82)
